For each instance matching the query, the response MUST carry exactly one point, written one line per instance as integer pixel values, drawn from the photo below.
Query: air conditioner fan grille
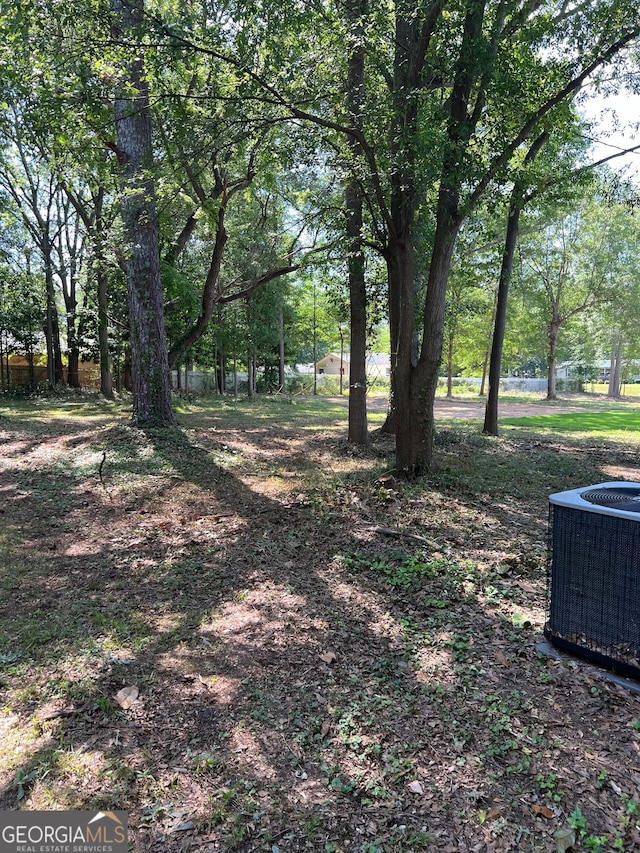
(624, 499)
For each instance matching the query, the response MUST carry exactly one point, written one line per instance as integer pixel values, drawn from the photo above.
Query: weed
(548, 785)
(22, 781)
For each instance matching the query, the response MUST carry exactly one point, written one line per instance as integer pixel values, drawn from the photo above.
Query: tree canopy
(232, 146)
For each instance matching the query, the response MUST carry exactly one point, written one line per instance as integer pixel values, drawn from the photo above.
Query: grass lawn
(234, 632)
(618, 426)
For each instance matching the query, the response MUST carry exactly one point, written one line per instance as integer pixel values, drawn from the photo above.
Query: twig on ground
(102, 483)
(404, 534)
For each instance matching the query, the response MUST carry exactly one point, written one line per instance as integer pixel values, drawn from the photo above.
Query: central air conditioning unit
(593, 589)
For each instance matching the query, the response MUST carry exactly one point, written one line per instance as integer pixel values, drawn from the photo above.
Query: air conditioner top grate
(627, 499)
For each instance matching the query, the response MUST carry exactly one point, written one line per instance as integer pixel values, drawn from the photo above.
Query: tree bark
(500, 321)
(210, 295)
(149, 362)
(281, 364)
(450, 365)
(55, 373)
(615, 368)
(106, 381)
(414, 387)
(358, 428)
(495, 364)
(552, 393)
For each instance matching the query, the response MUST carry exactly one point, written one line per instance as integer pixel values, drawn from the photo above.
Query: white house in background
(378, 365)
(568, 369)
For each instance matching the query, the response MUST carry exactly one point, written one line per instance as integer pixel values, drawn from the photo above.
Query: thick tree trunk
(358, 428)
(415, 387)
(149, 362)
(425, 376)
(403, 402)
(73, 368)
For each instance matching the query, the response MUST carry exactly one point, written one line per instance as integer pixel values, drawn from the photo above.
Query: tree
(35, 191)
(465, 92)
(571, 266)
(149, 361)
(516, 203)
(356, 11)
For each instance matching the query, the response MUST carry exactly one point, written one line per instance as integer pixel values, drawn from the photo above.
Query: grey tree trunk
(500, 320)
(149, 363)
(615, 368)
(357, 430)
(552, 393)
(281, 365)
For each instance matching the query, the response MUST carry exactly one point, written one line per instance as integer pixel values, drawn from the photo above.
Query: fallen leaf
(542, 810)
(127, 696)
(328, 657)
(415, 787)
(564, 839)
(422, 677)
(493, 813)
(325, 728)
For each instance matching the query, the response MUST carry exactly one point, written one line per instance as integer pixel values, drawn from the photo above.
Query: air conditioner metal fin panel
(593, 605)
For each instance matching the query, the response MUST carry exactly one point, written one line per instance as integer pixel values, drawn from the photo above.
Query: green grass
(616, 425)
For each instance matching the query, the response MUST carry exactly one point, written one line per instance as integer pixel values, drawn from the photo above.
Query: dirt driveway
(473, 410)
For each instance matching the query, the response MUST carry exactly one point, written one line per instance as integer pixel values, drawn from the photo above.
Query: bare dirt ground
(473, 410)
(320, 663)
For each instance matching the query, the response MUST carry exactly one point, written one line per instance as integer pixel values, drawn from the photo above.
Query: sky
(617, 126)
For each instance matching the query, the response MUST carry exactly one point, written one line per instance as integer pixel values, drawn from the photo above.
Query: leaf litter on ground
(310, 681)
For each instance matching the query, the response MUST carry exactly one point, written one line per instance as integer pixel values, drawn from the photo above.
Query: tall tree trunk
(552, 394)
(250, 383)
(450, 366)
(235, 375)
(425, 375)
(500, 321)
(106, 381)
(414, 389)
(73, 345)
(357, 430)
(615, 367)
(281, 365)
(149, 362)
(55, 374)
(210, 291)
(483, 381)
